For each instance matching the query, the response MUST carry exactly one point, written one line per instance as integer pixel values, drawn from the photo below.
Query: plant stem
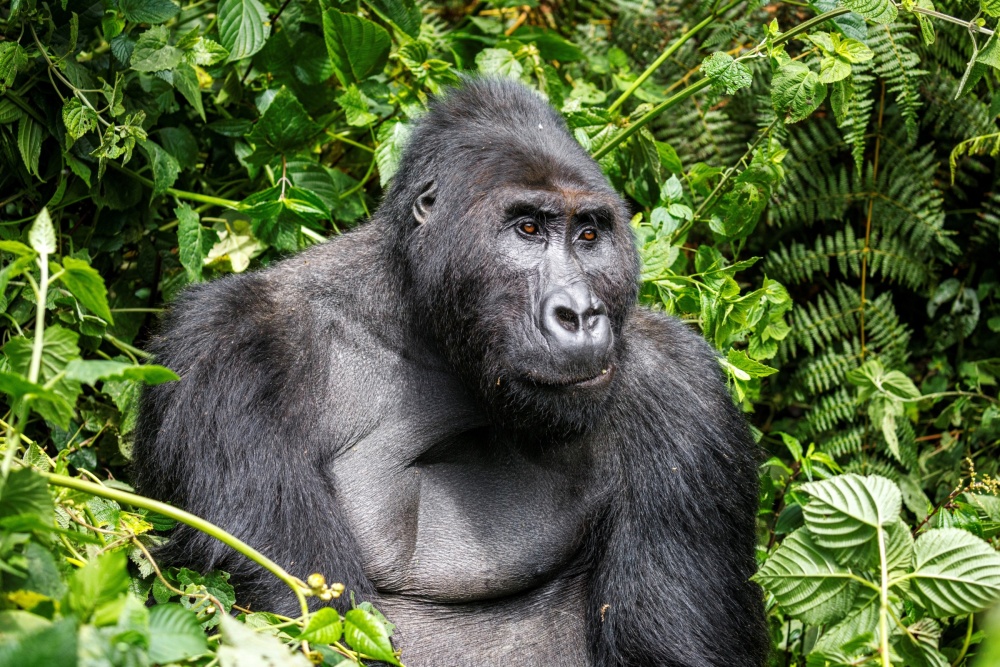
(883, 611)
(965, 644)
(676, 99)
(189, 519)
(970, 25)
(42, 294)
(180, 194)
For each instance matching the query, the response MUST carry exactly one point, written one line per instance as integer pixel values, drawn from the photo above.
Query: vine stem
(883, 612)
(671, 50)
(294, 583)
(677, 98)
(42, 295)
(181, 194)
(971, 25)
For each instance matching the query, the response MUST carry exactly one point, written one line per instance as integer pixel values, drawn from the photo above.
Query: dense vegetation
(817, 195)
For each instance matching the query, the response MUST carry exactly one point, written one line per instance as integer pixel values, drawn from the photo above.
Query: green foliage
(820, 204)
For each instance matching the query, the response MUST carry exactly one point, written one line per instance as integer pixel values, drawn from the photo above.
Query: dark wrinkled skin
(459, 412)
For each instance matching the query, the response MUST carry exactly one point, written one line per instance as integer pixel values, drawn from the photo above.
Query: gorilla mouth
(591, 382)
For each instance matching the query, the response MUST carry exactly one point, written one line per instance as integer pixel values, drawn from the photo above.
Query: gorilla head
(518, 251)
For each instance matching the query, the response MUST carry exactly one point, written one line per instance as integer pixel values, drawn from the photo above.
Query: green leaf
(59, 347)
(551, 45)
(52, 646)
(194, 242)
(42, 236)
(165, 168)
(152, 53)
(392, 137)
(148, 11)
(243, 27)
(25, 492)
(185, 80)
(100, 581)
(283, 129)
(846, 512)
(796, 91)
(355, 107)
(366, 634)
(404, 14)
(498, 62)
(29, 143)
(753, 369)
(323, 628)
(358, 47)
(174, 634)
(990, 7)
(726, 73)
(955, 573)
(87, 286)
(806, 580)
(879, 11)
(990, 53)
(833, 69)
(243, 647)
(13, 57)
(77, 118)
(91, 371)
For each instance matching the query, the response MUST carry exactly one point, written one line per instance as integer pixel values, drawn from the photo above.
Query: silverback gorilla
(458, 411)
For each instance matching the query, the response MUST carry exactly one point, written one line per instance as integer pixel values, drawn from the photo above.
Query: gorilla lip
(599, 380)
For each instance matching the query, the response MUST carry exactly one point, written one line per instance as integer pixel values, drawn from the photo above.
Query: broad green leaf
(753, 369)
(990, 7)
(100, 581)
(955, 573)
(29, 143)
(854, 51)
(879, 11)
(833, 69)
(77, 118)
(90, 371)
(87, 286)
(726, 73)
(25, 492)
(194, 241)
(990, 53)
(42, 236)
(846, 512)
(152, 52)
(392, 137)
(552, 46)
(148, 11)
(358, 47)
(323, 628)
(796, 91)
(355, 107)
(366, 634)
(13, 57)
(918, 646)
(498, 62)
(404, 14)
(283, 129)
(164, 165)
(806, 581)
(243, 647)
(185, 80)
(51, 646)
(243, 27)
(174, 634)
(861, 619)
(59, 347)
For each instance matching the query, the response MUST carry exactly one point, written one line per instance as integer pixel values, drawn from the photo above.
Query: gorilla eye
(529, 228)
(589, 234)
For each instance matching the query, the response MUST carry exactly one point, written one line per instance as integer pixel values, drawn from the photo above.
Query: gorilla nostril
(567, 318)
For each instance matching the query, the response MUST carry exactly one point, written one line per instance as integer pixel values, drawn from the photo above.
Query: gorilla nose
(576, 324)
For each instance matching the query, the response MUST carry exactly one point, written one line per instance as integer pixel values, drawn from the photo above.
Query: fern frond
(855, 125)
(831, 316)
(984, 144)
(797, 263)
(825, 370)
(899, 68)
(949, 117)
(872, 465)
(846, 441)
(833, 409)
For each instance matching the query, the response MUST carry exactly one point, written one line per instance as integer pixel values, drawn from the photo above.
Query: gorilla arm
(676, 547)
(235, 441)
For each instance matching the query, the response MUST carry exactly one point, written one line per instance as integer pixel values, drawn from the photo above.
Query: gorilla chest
(446, 509)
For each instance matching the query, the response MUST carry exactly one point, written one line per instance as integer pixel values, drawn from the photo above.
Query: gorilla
(459, 411)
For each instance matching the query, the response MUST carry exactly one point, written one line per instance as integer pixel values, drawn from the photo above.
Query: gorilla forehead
(491, 132)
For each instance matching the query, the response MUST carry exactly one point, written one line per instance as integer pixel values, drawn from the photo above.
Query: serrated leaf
(392, 137)
(194, 242)
(243, 647)
(165, 167)
(358, 47)
(13, 58)
(153, 53)
(796, 91)
(174, 634)
(846, 512)
(323, 628)
(355, 107)
(283, 129)
(753, 369)
(498, 62)
(990, 7)
(42, 235)
(806, 580)
(878, 11)
(90, 371)
(29, 143)
(404, 14)
(726, 73)
(25, 492)
(148, 11)
(243, 27)
(955, 572)
(366, 634)
(87, 286)
(77, 118)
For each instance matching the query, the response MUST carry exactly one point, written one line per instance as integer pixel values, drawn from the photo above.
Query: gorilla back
(459, 412)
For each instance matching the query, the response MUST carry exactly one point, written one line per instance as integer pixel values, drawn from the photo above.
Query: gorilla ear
(425, 202)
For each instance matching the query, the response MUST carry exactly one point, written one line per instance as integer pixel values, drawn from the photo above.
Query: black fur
(391, 409)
